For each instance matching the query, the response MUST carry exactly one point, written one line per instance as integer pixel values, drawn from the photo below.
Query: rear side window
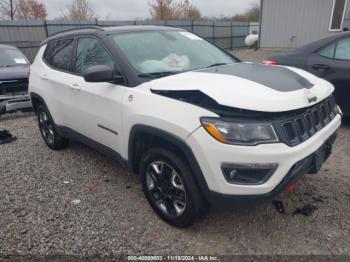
(59, 53)
(338, 50)
(90, 52)
(342, 51)
(327, 51)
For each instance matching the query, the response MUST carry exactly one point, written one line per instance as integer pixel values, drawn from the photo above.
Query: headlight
(239, 133)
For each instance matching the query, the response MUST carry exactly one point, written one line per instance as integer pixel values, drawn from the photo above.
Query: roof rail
(78, 28)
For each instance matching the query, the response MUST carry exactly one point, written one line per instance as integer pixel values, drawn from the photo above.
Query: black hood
(276, 77)
(15, 72)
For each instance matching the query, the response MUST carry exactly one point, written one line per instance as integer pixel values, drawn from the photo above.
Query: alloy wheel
(166, 188)
(46, 127)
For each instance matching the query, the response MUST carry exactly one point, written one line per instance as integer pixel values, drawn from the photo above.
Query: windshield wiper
(159, 74)
(217, 64)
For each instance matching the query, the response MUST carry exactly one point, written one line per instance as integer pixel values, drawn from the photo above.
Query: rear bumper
(304, 166)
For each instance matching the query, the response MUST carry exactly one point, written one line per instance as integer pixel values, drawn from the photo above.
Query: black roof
(110, 30)
(309, 48)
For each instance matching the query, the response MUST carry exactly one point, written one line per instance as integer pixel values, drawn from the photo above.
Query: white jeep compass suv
(198, 126)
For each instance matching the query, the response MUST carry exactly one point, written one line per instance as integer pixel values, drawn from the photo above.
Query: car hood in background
(14, 72)
(251, 86)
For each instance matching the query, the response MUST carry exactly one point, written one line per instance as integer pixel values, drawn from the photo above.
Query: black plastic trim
(38, 97)
(72, 134)
(180, 143)
(108, 129)
(270, 168)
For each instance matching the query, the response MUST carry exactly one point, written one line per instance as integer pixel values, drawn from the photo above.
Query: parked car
(196, 124)
(14, 72)
(328, 58)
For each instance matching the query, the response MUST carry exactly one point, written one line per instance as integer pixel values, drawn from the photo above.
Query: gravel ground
(78, 202)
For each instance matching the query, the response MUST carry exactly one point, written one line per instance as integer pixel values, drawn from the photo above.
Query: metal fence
(27, 35)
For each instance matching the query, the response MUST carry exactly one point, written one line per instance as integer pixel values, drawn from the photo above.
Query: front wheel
(169, 187)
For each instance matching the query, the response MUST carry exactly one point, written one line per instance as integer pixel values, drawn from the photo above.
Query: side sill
(112, 154)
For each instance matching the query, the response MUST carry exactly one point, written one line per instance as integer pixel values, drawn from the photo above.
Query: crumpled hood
(251, 86)
(14, 73)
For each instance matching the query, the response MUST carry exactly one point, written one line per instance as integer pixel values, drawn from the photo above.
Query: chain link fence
(27, 35)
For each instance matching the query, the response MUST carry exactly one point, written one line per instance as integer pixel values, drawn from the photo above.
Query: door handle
(75, 87)
(320, 67)
(44, 77)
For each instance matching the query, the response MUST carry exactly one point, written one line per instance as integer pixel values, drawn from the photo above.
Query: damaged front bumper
(11, 104)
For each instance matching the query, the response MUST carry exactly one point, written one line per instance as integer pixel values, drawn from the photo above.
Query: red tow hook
(291, 187)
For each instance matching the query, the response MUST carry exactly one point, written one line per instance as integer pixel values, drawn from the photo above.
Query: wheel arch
(144, 137)
(36, 100)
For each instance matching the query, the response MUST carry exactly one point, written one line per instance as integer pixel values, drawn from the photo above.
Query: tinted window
(90, 52)
(327, 51)
(343, 49)
(58, 53)
(337, 16)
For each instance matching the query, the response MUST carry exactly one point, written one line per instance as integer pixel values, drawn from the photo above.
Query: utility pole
(11, 4)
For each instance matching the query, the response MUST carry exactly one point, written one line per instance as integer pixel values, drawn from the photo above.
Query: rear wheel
(48, 130)
(169, 187)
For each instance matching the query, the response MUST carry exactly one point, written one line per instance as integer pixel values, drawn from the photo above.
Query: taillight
(270, 62)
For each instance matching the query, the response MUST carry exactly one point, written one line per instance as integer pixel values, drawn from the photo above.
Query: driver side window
(90, 52)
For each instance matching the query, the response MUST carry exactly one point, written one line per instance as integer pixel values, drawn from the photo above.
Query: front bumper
(304, 166)
(211, 154)
(14, 104)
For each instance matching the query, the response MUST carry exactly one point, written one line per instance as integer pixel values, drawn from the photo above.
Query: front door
(97, 110)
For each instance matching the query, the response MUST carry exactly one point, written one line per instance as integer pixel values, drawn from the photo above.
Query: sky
(139, 9)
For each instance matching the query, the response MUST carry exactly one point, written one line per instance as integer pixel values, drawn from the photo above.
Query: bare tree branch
(79, 10)
(168, 10)
(5, 9)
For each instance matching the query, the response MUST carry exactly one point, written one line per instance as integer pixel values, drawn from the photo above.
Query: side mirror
(101, 73)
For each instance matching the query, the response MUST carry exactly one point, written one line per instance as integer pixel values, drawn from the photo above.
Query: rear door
(332, 63)
(97, 112)
(55, 78)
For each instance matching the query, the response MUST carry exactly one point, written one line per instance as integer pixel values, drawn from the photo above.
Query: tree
(162, 9)
(251, 15)
(80, 10)
(186, 11)
(30, 9)
(5, 9)
(168, 10)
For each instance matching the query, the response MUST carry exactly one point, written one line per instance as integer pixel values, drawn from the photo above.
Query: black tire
(189, 202)
(48, 130)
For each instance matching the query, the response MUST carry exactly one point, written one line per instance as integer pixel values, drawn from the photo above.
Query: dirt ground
(78, 202)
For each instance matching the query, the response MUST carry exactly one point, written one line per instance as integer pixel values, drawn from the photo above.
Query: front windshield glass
(12, 57)
(169, 51)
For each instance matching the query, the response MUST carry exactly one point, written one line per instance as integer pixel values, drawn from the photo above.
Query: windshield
(12, 57)
(170, 52)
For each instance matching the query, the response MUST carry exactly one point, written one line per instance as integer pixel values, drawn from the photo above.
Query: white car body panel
(159, 112)
(85, 107)
(241, 93)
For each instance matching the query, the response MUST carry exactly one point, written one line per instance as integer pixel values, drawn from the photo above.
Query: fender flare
(178, 142)
(38, 97)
